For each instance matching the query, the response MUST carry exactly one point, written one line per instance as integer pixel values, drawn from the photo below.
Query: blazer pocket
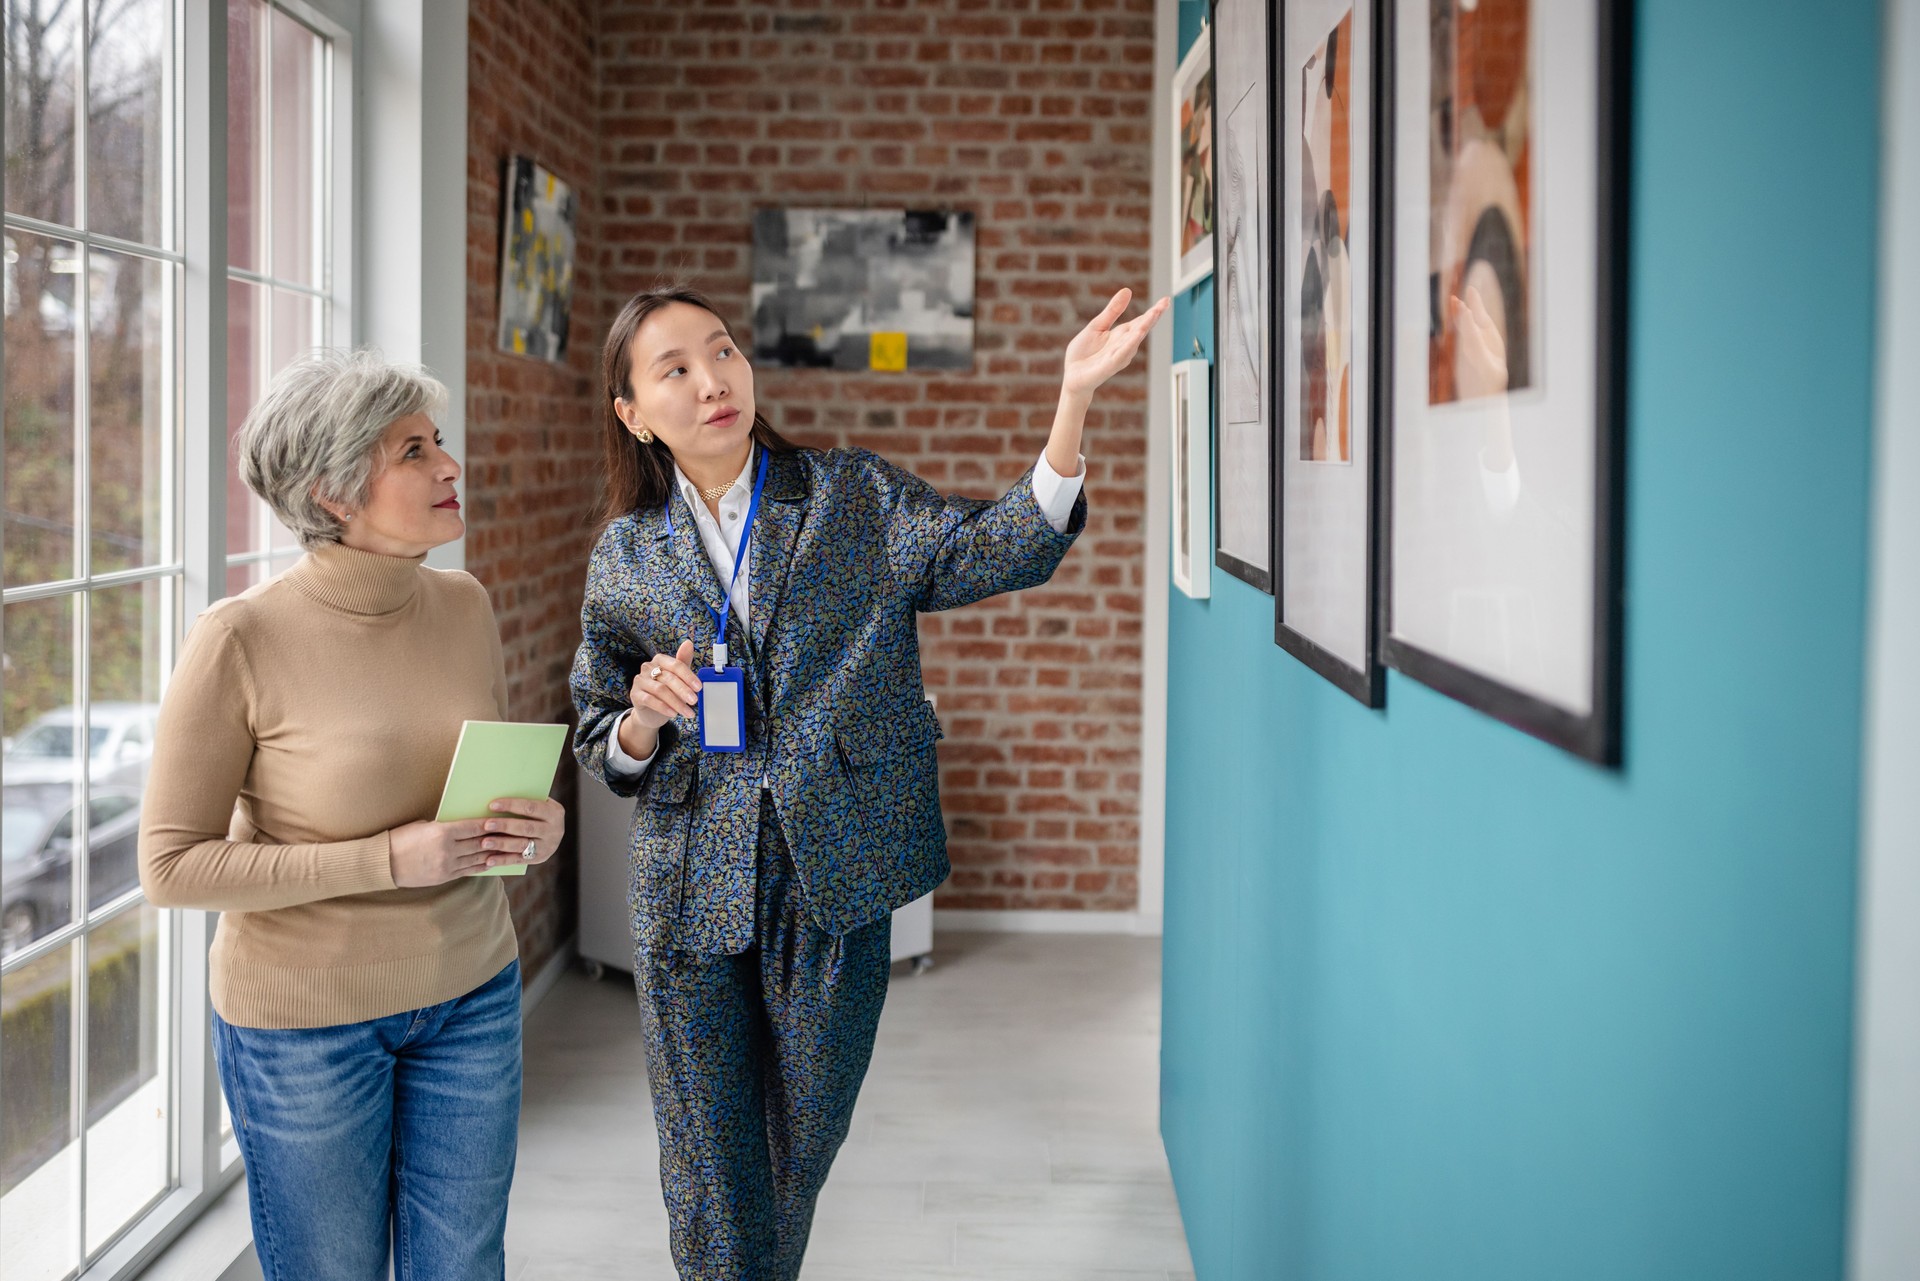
(661, 823)
(894, 775)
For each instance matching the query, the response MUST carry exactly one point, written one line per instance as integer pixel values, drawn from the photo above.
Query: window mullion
(82, 612)
(204, 343)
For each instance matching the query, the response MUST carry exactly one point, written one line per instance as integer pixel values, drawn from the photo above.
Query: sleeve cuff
(359, 867)
(618, 762)
(1055, 494)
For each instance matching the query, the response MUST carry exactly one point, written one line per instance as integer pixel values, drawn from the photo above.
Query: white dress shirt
(1053, 493)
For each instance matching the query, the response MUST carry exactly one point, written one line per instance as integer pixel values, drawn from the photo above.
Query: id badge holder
(723, 704)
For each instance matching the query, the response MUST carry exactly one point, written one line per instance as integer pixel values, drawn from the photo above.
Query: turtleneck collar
(356, 581)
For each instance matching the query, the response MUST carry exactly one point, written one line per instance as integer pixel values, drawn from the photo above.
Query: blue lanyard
(739, 555)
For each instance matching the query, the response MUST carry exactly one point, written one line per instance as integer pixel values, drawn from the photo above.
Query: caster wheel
(921, 964)
(595, 971)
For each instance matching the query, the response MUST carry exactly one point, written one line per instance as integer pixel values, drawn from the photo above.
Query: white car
(119, 746)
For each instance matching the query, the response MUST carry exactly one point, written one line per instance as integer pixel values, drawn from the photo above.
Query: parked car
(119, 746)
(36, 855)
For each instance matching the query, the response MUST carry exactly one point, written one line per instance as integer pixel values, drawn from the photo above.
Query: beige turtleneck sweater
(307, 718)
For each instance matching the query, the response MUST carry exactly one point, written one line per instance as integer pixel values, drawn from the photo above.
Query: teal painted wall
(1442, 1002)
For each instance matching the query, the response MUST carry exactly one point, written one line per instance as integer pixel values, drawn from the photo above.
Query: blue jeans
(402, 1127)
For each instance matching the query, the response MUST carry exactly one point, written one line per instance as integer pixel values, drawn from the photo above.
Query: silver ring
(532, 850)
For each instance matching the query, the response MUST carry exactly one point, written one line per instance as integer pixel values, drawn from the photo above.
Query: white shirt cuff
(1055, 494)
(618, 762)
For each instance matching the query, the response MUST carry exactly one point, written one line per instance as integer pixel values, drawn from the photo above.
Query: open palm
(1104, 348)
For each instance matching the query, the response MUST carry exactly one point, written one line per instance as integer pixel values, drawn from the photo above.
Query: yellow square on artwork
(888, 353)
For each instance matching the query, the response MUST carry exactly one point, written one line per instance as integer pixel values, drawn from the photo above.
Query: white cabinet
(600, 832)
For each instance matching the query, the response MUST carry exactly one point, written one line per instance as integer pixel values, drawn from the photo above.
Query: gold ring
(658, 671)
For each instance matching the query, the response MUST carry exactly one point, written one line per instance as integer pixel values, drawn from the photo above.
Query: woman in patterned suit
(764, 878)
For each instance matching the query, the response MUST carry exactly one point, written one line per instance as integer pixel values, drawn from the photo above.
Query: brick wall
(1038, 122)
(1035, 115)
(533, 458)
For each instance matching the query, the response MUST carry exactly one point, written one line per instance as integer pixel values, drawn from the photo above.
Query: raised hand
(1104, 348)
(665, 687)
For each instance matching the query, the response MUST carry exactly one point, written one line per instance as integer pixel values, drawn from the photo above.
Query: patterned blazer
(846, 549)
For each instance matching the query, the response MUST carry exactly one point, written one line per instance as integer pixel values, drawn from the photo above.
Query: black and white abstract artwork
(863, 289)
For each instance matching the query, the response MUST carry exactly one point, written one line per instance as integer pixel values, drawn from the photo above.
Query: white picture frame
(1190, 529)
(1192, 186)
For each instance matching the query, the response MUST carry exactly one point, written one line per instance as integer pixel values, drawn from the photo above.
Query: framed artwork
(1504, 378)
(1192, 470)
(863, 289)
(1324, 598)
(1193, 174)
(537, 236)
(1243, 267)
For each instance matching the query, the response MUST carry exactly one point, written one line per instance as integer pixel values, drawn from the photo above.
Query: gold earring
(644, 436)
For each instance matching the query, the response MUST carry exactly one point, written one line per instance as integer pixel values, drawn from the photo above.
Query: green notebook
(500, 760)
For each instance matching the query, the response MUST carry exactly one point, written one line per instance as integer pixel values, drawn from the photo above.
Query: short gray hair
(315, 434)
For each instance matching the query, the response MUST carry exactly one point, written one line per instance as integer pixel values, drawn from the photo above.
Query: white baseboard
(1044, 922)
(535, 992)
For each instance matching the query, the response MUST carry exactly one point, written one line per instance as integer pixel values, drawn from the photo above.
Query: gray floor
(1006, 1130)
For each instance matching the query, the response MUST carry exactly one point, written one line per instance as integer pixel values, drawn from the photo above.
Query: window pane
(241, 577)
(41, 321)
(132, 371)
(39, 772)
(247, 313)
(127, 114)
(296, 330)
(43, 40)
(39, 1161)
(295, 117)
(296, 327)
(246, 132)
(125, 667)
(129, 1099)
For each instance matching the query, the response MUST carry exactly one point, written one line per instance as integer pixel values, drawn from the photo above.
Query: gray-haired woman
(365, 983)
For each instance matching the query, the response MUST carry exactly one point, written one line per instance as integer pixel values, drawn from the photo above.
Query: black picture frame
(1253, 575)
(1595, 736)
(1365, 684)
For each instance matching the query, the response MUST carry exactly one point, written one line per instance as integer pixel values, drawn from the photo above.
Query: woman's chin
(447, 526)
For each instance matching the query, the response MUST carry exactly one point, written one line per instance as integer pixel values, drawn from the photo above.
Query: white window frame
(397, 225)
(193, 510)
(338, 24)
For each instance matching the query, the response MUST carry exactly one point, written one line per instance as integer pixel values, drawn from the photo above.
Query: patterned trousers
(755, 1061)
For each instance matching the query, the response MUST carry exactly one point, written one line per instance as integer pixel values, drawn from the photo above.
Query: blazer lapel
(689, 557)
(783, 510)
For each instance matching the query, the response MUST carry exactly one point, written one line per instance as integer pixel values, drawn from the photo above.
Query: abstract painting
(863, 289)
(1480, 246)
(1193, 179)
(1326, 274)
(537, 237)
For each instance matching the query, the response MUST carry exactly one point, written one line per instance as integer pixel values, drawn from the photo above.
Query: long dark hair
(642, 475)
